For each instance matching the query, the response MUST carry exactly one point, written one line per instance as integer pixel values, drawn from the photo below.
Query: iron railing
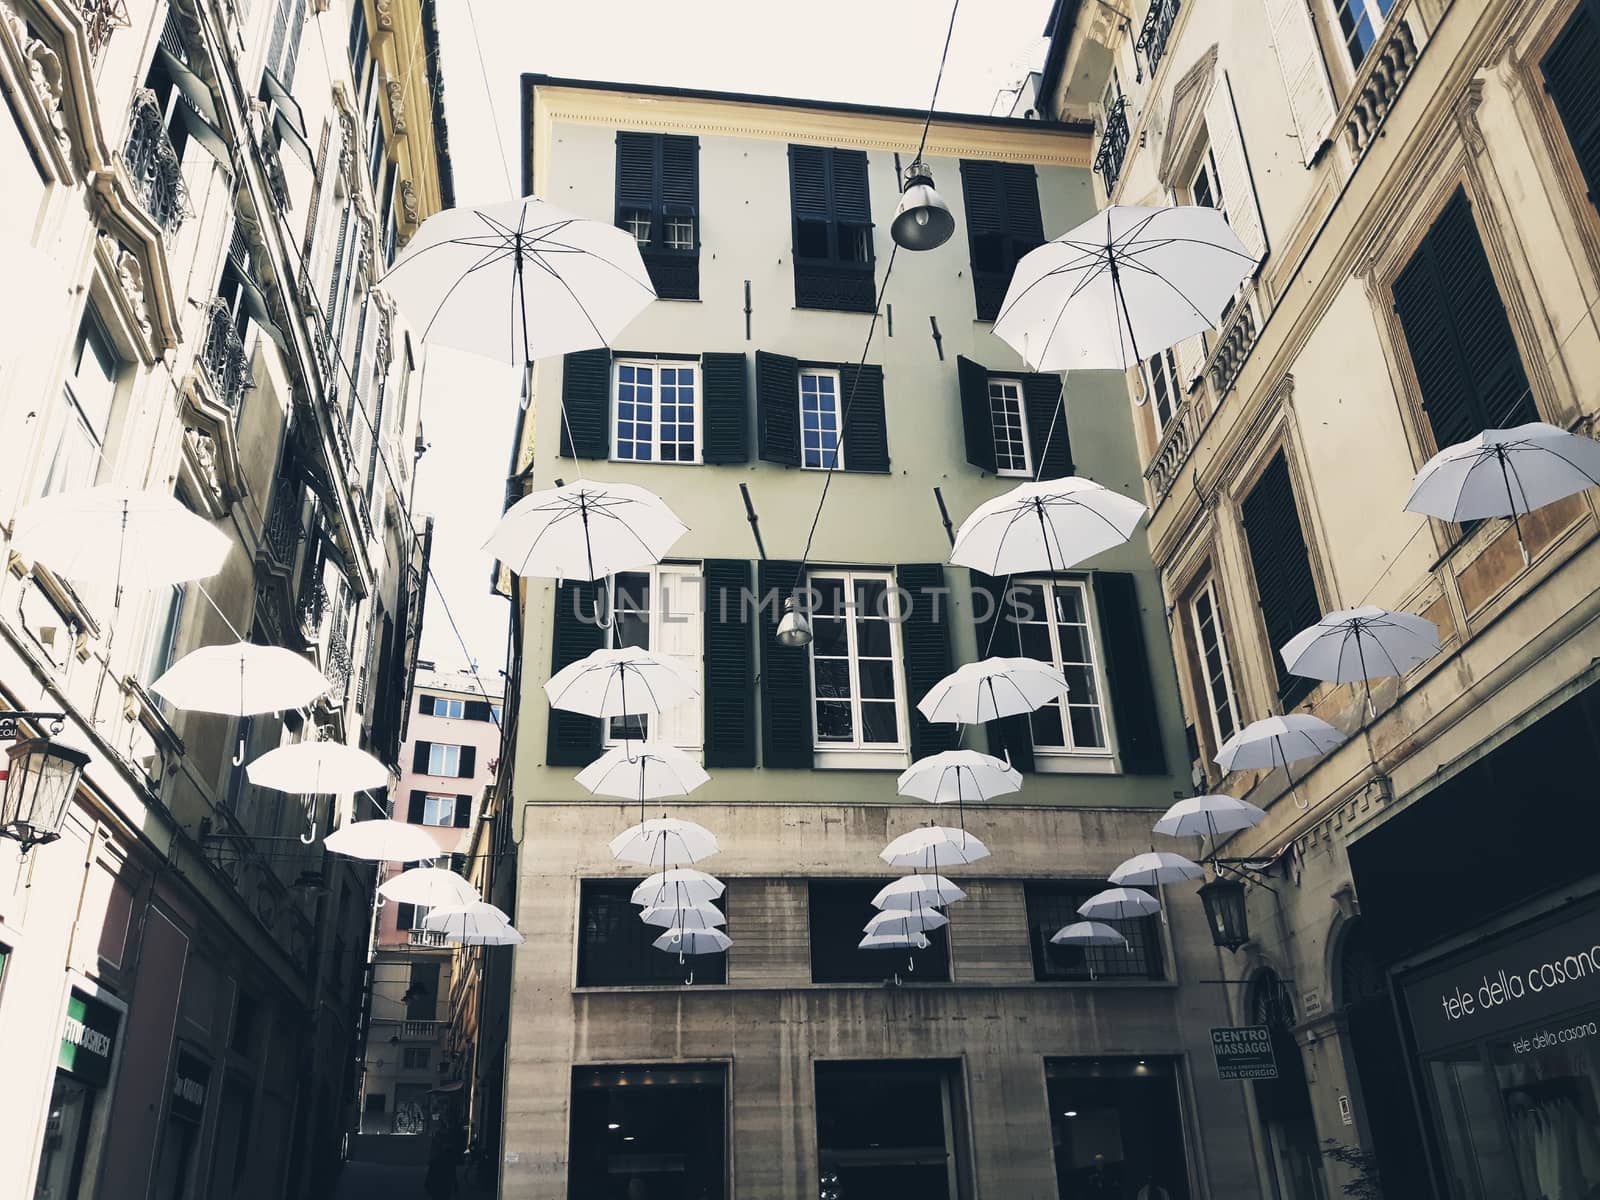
(226, 363)
(1113, 143)
(1157, 28)
(337, 666)
(153, 164)
(283, 531)
(100, 19)
(313, 603)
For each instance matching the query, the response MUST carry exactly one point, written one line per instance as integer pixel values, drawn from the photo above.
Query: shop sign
(1526, 978)
(190, 1078)
(1244, 1052)
(89, 1039)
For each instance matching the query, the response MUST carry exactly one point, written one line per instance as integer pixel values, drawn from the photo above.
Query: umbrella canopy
(319, 769)
(519, 281)
(503, 935)
(1277, 742)
(1050, 525)
(431, 886)
(681, 885)
(1361, 644)
(1505, 473)
(1127, 283)
(621, 682)
(643, 772)
(906, 920)
(583, 530)
(918, 891)
(1208, 816)
(472, 919)
(240, 679)
(1087, 933)
(684, 916)
(1147, 870)
(957, 776)
(992, 688)
(1119, 904)
(121, 536)
(668, 841)
(693, 941)
(932, 845)
(384, 841)
(904, 940)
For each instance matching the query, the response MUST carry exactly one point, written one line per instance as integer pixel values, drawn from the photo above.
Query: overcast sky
(866, 51)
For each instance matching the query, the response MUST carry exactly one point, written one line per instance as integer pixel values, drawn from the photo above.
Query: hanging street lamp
(1224, 901)
(923, 221)
(794, 630)
(41, 778)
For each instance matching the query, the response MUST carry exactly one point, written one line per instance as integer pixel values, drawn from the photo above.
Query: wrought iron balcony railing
(100, 19)
(153, 164)
(313, 601)
(1157, 28)
(226, 363)
(337, 666)
(1113, 143)
(283, 531)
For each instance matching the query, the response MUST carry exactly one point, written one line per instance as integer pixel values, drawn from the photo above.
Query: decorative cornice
(385, 13)
(397, 106)
(1465, 115)
(409, 203)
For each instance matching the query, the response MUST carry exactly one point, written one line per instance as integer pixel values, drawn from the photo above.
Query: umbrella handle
(310, 835)
(238, 753)
(689, 982)
(527, 384)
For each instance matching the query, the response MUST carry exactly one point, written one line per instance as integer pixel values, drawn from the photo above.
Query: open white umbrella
(1119, 904)
(681, 885)
(643, 772)
(684, 916)
(956, 776)
(1361, 644)
(1208, 816)
(583, 530)
(318, 769)
(1277, 742)
(992, 688)
(929, 847)
(503, 935)
(1156, 867)
(241, 679)
(1505, 473)
(1127, 283)
(904, 940)
(693, 941)
(1049, 525)
(666, 841)
(1088, 933)
(384, 841)
(470, 919)
(430, 886)
(906, 920)
(621, 682)
(918, 891)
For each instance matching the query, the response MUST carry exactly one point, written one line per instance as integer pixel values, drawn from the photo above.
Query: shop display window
(1116, 1129)
(648, 1133)
(887, 1130)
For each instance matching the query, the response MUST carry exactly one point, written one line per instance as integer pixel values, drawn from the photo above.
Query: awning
(199, 111)
(287, 118)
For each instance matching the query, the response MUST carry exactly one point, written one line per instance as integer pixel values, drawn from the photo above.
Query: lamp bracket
(9, 721)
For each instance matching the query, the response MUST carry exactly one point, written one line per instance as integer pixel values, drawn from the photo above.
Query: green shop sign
(89, 1039)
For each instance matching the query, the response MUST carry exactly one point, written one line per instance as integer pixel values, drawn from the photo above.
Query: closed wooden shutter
(419, 757)
(1233, 169)
(1004, 222)
(573, 740)
(925, 649)
(425, 706)
(463, 814)
(778, 408)
(1024, 218)
(830, 205)
(866, 435)
(808, 183)
(730, 665)
(1048, 441)
(477, 710)
(787, 720)
(1305, 73)
(680, 173)
(405, 916)
(725, 393)
(977, 422)
(469, 762)
(637, 155)
(851, 202)
(416, 807)
(1285, 587)
(338, 261)
(586, 401)
(1127, 672)
(1571, 69)
(1010, 738)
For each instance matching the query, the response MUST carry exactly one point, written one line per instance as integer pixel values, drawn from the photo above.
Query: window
(288, 20)
(359, 37)
(658, 201)
(637, 222)
(1117, 1119)
(839, 909)
(443, 707)
(1205, 188)
(890, 1129)
(1053, 626)
(1007, 415)
(649, 1132)
(414, 1058)
(438, 810)
(832, 218)
(821, 440)
(614, 945)
(422, 991)
(167, 616)
(855, 676)
(444, 760)
(1359, 23)
(657, 412)
(1211, 647)
(1052, 906)
(89, 393)
(1004, 223)
(660, 611)
(1285, 586)
(1570, 67)
(1161, 375)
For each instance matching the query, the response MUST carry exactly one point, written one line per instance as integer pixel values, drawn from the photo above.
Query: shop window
(1116, 1128)
(614, 945)
(1283, 1105)
(1054, 905)
(839, 908)
(83, 1070)
(889, 1129)
(185, 1112)
(648, 1132)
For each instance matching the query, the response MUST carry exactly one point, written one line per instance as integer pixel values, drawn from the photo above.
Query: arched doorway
(1283, 1105)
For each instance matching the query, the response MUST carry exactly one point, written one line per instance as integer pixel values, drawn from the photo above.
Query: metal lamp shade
(1226, 913)
(41, 778)
(923, 221)
(794, 630)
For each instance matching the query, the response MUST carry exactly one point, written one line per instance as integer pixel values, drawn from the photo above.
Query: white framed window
(166, 619)
(88, 394)
(1055, 625)
(1161, 382)
(821, 424)
(856, 690)
(1009, 420)
(677, 230)
(1217, 675)
(499, 713)
(444, 760)
(657, 411)
(1360, 22)
(438, 810)
(419, 915)
(661, 610)
(1205, 186)
(448, 708)
(637, 222)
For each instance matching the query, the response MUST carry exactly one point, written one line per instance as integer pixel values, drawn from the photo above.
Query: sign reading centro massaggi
(1244, 1052)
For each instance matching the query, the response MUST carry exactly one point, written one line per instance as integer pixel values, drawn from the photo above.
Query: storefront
(83, 1072)
(1117, 1129)
(180, 1141)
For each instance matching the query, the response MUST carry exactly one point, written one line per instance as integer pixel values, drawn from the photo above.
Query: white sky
(866, 51)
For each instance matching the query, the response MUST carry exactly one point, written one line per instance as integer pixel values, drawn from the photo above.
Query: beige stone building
(1418, 180)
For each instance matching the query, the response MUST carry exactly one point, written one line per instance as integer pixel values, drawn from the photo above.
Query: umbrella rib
(1090, 274)
(451, 291)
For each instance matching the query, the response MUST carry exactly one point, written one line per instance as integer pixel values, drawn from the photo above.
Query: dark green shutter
(1010, 738)
(1048, 442)
(866, 435)
(1571, 69)
(586, 399)
(977, 422)
(463, 812)
(1285, 587)
(808, 183)
(404, 915)
(636, 172)
(1001, 202)
(981, 196)
(469, 762)
(477, 710)
(573, 740)
(1024, 219)
(778, 408)
(680, 173)
(725, 394)
(730, 665)
(425, 706)
(787, 719)
(1127, 671)
(415, 809)
(925, 649)
(851, 201)
(419, 757)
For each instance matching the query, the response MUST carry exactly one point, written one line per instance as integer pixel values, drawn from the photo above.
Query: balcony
(1177, 440)
(1157, 28)
(1388, 67)
(1113, 150)
(153, 165)
(313, 603)
(336, 665)
(421, 1031)
(1234, 343)
(100, 19)
(427, 937)
(226, 364)
(283, 532)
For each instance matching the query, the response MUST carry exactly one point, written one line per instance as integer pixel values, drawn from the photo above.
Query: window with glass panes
(614, 946)
(1010, 427)
(660, 611)
(1054, 626)
(855, 682)
(657, 411)
(1053, 906)
(444, 760)
(1213, 654)
(1206, 188)
(90, 390)
(443, 707)
(1359, 23)
(638, 223)
(438, 810)
(820, 421)
(1161, 370)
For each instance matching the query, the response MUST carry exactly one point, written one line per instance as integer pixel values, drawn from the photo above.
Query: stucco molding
(396, 91)
(1186, 116)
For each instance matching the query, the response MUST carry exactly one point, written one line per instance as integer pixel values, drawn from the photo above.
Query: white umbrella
(1126, 284)
(992, 688)
(668, 841)
(903, 920)
(431, 886)
(583, 530)
(1361, 643)
(1119, 904)
(1505, 473)
(1156, 867)
(1088, 933)
(681, 885)
(384, 841)
(905, 940)
(239, 680)
(471, 919)
(1277, 742)
(956, 776)
(684, 916)
(918, 891)
(621, 682)
(929, 846)
(1202, 816)
(503, 935)
(644, 772)
(119, 535)
(318, 769)
(1049, 525)
(693, 941)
